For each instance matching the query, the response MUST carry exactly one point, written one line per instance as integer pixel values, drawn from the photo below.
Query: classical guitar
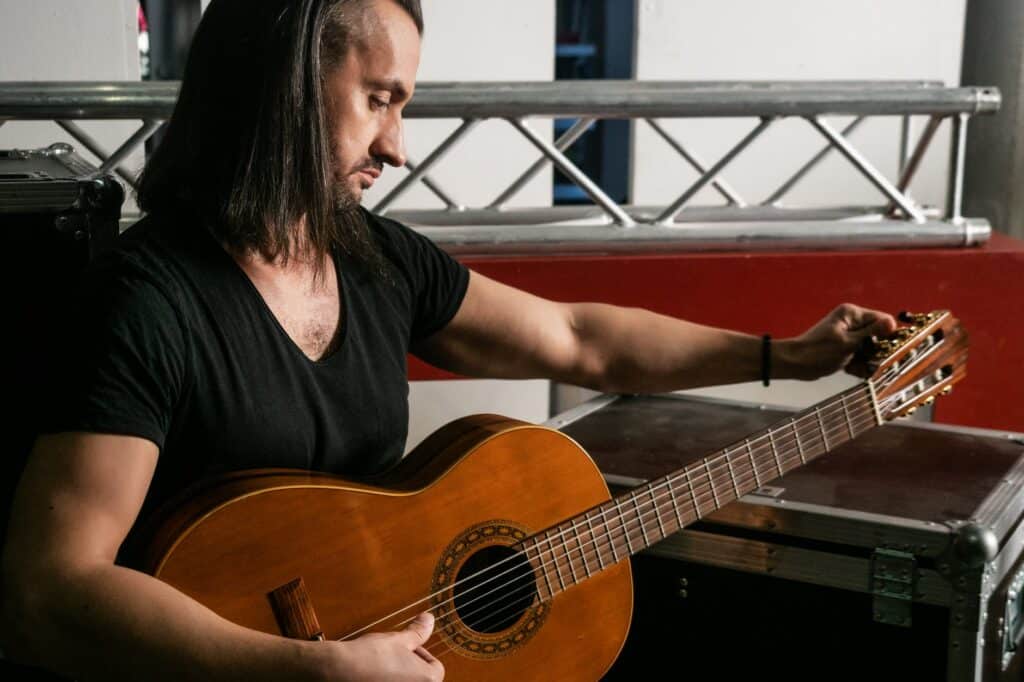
(504, 530)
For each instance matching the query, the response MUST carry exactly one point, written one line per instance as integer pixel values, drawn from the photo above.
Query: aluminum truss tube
(432, 158)
(869, 171)
(668, 216)
(574, 132)
(137, 138)
(563, 99)
(90, 143)
(698, 165)
(731, 236)
(435, 188)
(915, 160)
(777, 195)
(954, 211)
(906, 132)
(575, 174)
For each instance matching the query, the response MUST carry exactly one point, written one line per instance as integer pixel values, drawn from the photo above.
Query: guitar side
(365, 551)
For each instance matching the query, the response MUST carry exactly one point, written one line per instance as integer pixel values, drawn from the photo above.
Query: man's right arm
(69, 608)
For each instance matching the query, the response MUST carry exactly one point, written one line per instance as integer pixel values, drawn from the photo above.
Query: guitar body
(366, 551)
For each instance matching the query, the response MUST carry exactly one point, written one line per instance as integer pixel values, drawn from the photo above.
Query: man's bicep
(503, 332)
(79, 495)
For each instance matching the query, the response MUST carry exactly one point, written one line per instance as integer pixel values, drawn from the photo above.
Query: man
(246, 321)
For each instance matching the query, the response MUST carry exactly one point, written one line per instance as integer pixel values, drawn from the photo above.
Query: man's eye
(377, 103)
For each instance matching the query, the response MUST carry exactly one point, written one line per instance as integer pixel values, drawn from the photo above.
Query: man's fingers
(862, 322)
(419, 629)
(432, 660)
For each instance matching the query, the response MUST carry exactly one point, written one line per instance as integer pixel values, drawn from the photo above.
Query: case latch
(893, 582)
(1011, 625)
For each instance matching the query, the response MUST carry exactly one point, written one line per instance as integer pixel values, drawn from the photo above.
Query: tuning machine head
(916, 319)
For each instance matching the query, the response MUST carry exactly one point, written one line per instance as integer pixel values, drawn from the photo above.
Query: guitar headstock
(919, 362)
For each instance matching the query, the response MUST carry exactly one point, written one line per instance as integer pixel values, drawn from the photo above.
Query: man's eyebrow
(394, 85)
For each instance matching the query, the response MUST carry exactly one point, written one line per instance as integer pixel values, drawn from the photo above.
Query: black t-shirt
(174, 343)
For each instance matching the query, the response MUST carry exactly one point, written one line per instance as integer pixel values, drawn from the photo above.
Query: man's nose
(389, 146)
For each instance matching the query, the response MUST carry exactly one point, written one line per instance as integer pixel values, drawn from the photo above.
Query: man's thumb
(419, 629)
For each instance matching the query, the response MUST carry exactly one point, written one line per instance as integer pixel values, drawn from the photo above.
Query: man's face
(367, 92)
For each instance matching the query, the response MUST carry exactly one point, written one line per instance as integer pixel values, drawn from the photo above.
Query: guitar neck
(604, 535)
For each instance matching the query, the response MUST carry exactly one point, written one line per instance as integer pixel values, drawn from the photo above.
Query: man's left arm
(503, 332)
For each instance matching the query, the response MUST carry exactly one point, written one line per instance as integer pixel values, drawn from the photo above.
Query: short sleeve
(122, 362)
(437, 281)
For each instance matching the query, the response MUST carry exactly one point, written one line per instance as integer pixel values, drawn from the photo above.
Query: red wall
(785, 292)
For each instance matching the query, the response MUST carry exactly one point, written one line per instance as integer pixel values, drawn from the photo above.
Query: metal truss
(609, 226)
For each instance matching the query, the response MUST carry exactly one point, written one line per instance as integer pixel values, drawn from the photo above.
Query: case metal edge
(563, 419)
(828, 524)
(791, 563)
(1004, 505)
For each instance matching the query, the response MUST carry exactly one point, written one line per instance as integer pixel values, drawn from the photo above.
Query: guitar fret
(775, 452)
(625, 529)
(753, 462)
(846, 413)
(611, 537)
(693, 493)
(597, 545)
(675, 502)
(558, 570)
(657, 510)
(821, 424)
(583, 554)
(543, 567)
(732, 475)
(640, 521)
(711, 483)
(799, 445)
(568, 557)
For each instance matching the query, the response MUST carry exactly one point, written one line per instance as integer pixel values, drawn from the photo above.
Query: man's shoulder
(157, 253)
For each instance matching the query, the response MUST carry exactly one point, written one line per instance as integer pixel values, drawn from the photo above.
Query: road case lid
(920, 477)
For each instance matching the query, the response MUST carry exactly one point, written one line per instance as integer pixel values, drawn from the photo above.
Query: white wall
(793, 40)
(496, 40)
(57, 40)
(513, 40)
(469, 40)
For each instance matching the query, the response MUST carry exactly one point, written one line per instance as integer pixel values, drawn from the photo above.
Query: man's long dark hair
(248, 147)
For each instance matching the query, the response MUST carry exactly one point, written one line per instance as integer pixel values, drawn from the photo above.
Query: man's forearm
(109, 622)
(630, 350)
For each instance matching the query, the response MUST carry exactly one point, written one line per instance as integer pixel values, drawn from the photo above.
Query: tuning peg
(946, 390)
(904, 316)
(924, 318)
(929, 400)
(911, 410)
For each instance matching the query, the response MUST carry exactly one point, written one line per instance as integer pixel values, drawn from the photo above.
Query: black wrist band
(766, 359)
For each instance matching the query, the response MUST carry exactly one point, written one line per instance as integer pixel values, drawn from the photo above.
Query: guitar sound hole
(490, 599)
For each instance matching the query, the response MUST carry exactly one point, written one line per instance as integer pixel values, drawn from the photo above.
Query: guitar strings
(604, 514)
(615, 533)
(516, 603)
(889, 374)
(764, 440)
(627, 531)
(698, 492)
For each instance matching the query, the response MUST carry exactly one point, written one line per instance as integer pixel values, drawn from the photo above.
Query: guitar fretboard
(604, 535)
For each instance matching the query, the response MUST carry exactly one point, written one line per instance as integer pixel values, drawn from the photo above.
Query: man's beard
(350, 232)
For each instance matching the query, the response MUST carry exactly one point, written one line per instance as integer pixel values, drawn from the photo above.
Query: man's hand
(830, 345)
(392, 656)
